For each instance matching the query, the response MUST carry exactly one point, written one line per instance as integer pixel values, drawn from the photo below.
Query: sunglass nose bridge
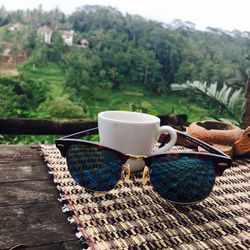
(136, 157)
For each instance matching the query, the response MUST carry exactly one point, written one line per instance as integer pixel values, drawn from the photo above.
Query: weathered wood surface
(30, 212)
(27, 126)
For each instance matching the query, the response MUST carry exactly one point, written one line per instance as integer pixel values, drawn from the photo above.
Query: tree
(40, 54)
(4, 16)
(60, 108)
(224, 99)
(28, 40)
(36, 17)
(246, 110)
(57, 47)
(56, 18)
(19, 96)
(9, 99)
(113, 76)
(93, 17)
(77, 68)
(145, 69)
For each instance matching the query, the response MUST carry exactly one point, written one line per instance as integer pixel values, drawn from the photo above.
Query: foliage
(225, 97)
(57, 47)
(60, 108)
(77, 68)
(9, 100)
(40, 54)
(136, 49)
(28, 40)
(20, 96)
(27, 139)
(144, 107)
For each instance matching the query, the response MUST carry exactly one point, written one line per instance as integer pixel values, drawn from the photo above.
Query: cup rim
(153, 119)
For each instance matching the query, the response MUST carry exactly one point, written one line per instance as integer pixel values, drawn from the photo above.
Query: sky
(223, 14)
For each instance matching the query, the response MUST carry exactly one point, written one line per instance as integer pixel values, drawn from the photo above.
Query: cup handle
(173, 138)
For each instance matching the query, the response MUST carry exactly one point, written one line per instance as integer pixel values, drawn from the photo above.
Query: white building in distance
(46, 33)
(67, 36)
(16, 27)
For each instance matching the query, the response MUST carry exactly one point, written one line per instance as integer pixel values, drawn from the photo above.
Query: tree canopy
(140, 50)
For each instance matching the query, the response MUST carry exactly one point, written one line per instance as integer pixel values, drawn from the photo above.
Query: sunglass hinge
(126, 172)
(145, 176)
(222, 164)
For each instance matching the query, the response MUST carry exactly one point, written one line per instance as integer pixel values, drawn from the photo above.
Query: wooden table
(30, 213)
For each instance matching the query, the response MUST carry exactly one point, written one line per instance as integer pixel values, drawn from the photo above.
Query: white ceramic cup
(133, 133)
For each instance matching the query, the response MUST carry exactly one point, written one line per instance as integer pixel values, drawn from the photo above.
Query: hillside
(97, 58)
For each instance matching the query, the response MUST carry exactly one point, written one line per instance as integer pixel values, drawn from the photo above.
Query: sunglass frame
(221, 160)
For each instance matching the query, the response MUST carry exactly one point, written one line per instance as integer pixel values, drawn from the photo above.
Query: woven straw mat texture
(133, 216)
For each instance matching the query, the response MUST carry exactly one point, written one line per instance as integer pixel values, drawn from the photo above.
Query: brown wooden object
(43, 127)
(26, 126)
(215, 132)
(220, 135)
(242, 146)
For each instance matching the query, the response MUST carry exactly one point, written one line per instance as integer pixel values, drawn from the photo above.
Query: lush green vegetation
(130, 64)
(132, 97)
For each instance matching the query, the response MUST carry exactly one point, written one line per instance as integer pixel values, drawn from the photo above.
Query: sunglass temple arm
(92, 131)
(197, 142)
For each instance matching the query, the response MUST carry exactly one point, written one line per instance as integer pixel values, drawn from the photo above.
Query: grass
(51, 73)
(125, 99)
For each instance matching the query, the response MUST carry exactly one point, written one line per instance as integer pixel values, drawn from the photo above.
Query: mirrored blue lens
(93, 167)
(182, 179)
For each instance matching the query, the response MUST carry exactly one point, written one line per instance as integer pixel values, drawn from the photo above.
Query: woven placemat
(133, 216)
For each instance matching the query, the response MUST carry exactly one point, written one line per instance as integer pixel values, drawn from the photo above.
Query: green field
(136, 99)
(130, 97)
(52, 74)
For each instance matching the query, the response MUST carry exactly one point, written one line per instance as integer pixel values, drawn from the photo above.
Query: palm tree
(225, 98)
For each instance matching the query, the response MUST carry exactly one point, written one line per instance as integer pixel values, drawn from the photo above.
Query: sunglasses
(179, 177)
